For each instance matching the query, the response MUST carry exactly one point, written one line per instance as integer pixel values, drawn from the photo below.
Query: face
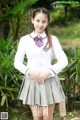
(40, 22)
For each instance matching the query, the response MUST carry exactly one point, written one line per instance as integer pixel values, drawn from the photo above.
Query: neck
(38, 33)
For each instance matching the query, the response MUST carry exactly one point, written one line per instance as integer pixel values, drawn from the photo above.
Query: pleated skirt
(33, 93)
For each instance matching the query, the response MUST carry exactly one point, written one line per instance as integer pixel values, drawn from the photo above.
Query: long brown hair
(45, 11)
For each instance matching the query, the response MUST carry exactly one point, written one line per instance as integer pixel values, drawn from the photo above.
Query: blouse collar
(43, 35)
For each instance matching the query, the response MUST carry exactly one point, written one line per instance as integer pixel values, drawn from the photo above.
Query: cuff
(52, 72)
(27, 72)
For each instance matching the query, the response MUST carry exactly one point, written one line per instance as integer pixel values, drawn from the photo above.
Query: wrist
(48, 72)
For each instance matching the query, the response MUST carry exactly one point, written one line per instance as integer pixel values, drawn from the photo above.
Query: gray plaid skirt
(50, 92)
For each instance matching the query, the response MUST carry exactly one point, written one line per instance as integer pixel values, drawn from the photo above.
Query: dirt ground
(70, 116)
(71, 43)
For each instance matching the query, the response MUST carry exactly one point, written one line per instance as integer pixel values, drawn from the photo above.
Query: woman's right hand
(36, 76)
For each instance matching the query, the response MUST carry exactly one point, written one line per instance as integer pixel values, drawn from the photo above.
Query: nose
(40, 23)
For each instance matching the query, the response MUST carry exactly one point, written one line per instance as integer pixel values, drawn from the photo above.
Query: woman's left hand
(44, 75)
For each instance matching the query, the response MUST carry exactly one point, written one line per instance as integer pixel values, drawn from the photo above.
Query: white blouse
(38, 59)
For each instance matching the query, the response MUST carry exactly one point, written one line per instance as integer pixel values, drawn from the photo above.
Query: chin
(40, 31)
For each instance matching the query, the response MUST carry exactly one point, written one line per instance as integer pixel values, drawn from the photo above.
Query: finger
(42, 78)
(41, 81)
(36, 79)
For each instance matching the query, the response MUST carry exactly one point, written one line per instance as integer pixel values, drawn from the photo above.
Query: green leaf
(12, 96)
(21, 6)
(72, 63)
(72, 75)
(3, 100)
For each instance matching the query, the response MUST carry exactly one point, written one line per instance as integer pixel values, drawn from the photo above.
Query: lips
(40, 28)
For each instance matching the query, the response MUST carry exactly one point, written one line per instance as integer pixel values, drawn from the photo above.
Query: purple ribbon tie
(38, 41)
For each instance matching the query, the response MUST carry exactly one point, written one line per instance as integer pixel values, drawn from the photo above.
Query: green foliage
(71, 75)
(21, 7)
(68, 32)
(24, 113)
(57, 16)
(17, 8)
(74, 12)
(61, 15)
(25, 24)
(13, 12)
(74, 64)
(41, 3)
(9, 77)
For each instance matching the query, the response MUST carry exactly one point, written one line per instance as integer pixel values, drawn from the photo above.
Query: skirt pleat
(49, 92)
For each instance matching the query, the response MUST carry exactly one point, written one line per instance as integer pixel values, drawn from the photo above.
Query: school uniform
(50, 91)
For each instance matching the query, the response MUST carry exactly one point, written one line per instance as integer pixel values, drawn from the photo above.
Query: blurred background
(15, 21)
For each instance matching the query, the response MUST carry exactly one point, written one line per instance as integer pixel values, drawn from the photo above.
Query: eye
(38, 20)
(44, 21)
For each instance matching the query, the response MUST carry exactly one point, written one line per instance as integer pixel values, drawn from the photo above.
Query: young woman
(41, 88)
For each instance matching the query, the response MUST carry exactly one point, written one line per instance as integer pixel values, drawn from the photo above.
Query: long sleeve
(19, 57)
(37, 58)
(61, 57)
